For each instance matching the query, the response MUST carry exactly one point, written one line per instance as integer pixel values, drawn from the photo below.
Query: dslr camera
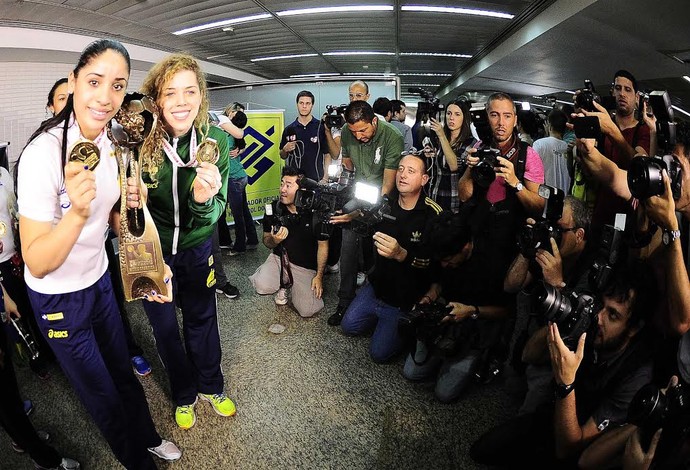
(279, 216)
(650, 410)
(587, 96)
(335, 116)
(484, 173)
(607, 256)
(423, 323)
(323, 200)
(538, 236)
(573, 313)
(372, 209)
(644, 176)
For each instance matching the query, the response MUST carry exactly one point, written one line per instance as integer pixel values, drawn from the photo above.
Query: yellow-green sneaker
(185, 416)
(222, 405)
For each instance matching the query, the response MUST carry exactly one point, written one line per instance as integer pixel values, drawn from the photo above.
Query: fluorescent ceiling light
(314, 75)
(425, 74)
(359, 53)
(457, 11)
(436, 54)
(564, 102)
(218, 24)
(277, 57)
(680, 110)
(686, 78)
(421, 84)
(342, 9)
(569, 92)
(216, 56)
(381, 74)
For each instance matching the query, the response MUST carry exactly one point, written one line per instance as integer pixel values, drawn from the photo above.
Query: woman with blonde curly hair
(186, 173)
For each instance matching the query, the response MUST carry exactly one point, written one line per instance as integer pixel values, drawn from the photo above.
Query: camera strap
(286, 279)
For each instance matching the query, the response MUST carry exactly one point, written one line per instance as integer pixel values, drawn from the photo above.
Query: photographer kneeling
(403, 267)
(476, 305)
(596, 374)
(298, 259)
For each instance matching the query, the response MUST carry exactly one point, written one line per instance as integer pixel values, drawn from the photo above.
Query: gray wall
(282, 95)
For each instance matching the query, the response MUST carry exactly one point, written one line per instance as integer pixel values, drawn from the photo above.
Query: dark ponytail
(93, 50)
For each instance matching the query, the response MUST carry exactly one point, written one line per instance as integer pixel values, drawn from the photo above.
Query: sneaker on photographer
(281, 297)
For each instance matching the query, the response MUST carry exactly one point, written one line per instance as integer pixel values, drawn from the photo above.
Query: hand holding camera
(280, 234)
(388, 247)
(551, 264)
(662, 208)
(459, 312)
(506, 170)
(564, 361)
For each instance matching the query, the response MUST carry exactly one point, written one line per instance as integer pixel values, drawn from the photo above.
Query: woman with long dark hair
(64, 211)
(445, 164)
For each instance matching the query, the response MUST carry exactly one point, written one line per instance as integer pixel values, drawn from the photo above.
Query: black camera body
(538, 236)
(573, 313)
(279, 216)
(484, 172)
(423, 323)
(651, 410)
(607, 256)
(324, 200)
(371, 215)
(586, 98)
(335, 116)
(645, 180)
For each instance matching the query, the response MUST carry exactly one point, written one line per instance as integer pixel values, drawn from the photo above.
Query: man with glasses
(565, 265)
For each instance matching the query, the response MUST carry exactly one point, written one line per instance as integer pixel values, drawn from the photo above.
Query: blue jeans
(367, 313)
(245, 231)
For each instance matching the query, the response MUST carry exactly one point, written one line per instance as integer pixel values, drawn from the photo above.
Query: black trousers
(12, 416)
(526, 441)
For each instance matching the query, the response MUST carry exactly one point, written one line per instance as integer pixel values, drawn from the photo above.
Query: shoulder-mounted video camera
(372, 209)
(335, 116)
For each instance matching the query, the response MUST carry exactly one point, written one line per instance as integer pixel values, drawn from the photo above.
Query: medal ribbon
(175, 158)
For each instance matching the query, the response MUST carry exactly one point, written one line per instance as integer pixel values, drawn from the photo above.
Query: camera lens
(648, 407)
(645, 178)
(549, 300)
(483, 174)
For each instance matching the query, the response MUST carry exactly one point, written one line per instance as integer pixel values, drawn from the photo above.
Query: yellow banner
(261, 159)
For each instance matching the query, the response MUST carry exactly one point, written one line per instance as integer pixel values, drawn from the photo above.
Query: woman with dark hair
(445, 163)
(57, 97)
(187, 178)
(65, 207)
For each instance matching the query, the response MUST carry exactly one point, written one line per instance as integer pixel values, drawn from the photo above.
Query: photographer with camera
(454, 348)
(504, 182)
(398, 120)
(595, 380)
(403, 268)
(358, 91)
(298, 259)
(623, 138)
(660, 194)
(372, 149)
(303, 144)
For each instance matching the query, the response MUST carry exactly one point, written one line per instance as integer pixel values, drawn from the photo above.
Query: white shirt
(42, 197)
(8, 209)
(554, 154)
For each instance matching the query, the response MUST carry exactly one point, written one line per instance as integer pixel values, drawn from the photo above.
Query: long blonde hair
(153, 84)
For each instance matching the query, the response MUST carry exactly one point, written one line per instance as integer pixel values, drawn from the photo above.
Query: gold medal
(3, 229)
(207, 151)
(85, 152)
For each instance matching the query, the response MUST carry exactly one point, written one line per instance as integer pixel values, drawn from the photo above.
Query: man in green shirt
(372, 148)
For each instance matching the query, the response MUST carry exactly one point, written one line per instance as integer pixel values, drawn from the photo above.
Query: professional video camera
(534, 237)
(650, 410)
(573, 313)
(324, 200)
(423, 323)
(586, 97)
(372, 209)
(430, 107)
(608, 255)
(279, 216)
(335, 116)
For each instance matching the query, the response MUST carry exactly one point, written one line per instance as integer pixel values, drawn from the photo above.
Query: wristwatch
(518, 187)
(669, 236)
(561, 390)
(475, 314)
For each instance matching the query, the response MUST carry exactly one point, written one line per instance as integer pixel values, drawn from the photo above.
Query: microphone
(290, 134)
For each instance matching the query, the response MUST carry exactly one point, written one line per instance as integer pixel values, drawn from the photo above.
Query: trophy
(141, 259)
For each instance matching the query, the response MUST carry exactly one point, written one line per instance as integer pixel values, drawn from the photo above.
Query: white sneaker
(281, 297)
(333, 269)
(361, 277)
(166, 451)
